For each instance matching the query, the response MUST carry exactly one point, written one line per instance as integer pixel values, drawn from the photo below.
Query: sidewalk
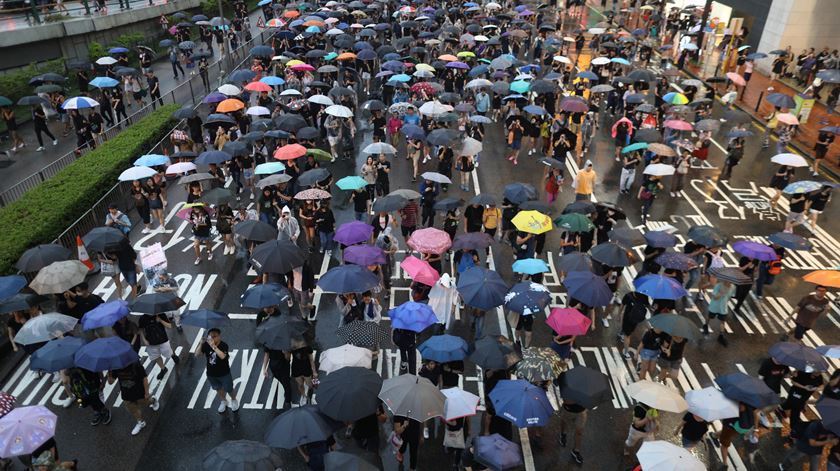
(18, 19)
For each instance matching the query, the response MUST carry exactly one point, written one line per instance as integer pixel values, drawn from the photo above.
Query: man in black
(78, 301)
(218, 368)
(804, 385)
(154, 88)
(39, 120)
(153, 332)
(810, 445)
(573, 416)
(134, 391)
(693, 428)
(635, 310)
(473, 217)
(383, 182)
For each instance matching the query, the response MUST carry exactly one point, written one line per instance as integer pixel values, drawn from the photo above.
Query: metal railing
(186, 92)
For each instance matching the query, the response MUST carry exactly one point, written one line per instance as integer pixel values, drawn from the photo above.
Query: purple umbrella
(574, 105)
(457, 65)
(755, 250)
(103, 354)
(364, 255)
(354, 232)
(25, 429)
(412, 316)
(472, 241)
(105, 315)
(214, 97)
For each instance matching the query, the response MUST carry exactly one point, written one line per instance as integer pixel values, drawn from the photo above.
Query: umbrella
(676, 261)
(755, 250)
(264, 295)
(344, 356)
(829, 278)
(290, 152)
(7, 403)
(58, 277)
(472, 241)
(574, 222)
(539, 364)
(420, 270)
(496, 452)
(527, 298)
(45, 327)
(657, 395)
(24, 429)
(744, 388)
(660, 455)
(798, 356)
(611, 255)
(389, 203)
(530, 266)
(156, 303)
(710, 404)
(430, 240)
(568, 321)
(791, 160)
(521, 403)
(706, 236)
(412, 316)
(277, 256)
(10, 285)
(364, 255)
(660, 239)
(348, 279)
(495, 353)
(103, 354)
(481, 288)
(518, 193)
(56, 355)
(803, 186)
(101, 237)
(830, 351)
(342, 461)
(532, 222)
(136, 173)
(205, 318)
(829, 410)
(675, 325)
(790, 241)
(354, 232)
(585, 386)
(459, 403)
(588, 288)
(630, 237)
(313, 176)
(351, 182)
(241, 455)
(105, 315)
(300, 426)
(659, 170)
(412, 396)
(575, 261)
(659, 287)
(436, 177)
(444, 348)
(20, 302)
(781, 100)
(363, 334)
(730, 274)
(280, 332)
(255, 230)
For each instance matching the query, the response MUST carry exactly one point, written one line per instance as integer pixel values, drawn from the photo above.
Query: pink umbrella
(430, 240)
(787, 118)
(173, 30)
(420, 270)
(25, 429)
(679, 125)
(302, 67)
(184, 213)
(7, 403)
(568, 321)
(736, 79)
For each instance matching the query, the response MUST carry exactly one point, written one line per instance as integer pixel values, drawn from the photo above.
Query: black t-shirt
(805, 379)
(474, 216)
(635, 307)
(831, 392)
(773, 374)
(819, 200)
(154, 331)
(216, 367)
(325, 220)
(360, 201)
(651, 340)
(639, 412)
(676, 351)
(381, 168)
(693, 430)
(131, 382)
(814, 431)
(797, 203)
(83, 305)
(573, 408)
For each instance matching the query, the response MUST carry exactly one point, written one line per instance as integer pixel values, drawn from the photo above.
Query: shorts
(635, 436)
(672, 365)
(516, 145)
(577, 420)
(525, 323)
(727, 435)
(163, 350)
(799, 331)
(794, 217)
(201, 238)
(688, 444)
(224, 383)
(333, 140)
(717, 315)
(648, 355)
(155, 204)
(628, 326)
(248, 173)
(815, 212)
(130, 276)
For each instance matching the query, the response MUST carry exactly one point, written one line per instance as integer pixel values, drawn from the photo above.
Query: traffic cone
(83, 255)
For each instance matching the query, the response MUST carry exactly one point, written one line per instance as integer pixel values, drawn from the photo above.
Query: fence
(190, 91)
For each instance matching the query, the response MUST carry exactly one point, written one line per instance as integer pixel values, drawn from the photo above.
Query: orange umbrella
(448, 58)
(291, 14)
(346, 56)
(289, 152)
(314, 23)
(229, 105)
(830, 278)
(258, 87)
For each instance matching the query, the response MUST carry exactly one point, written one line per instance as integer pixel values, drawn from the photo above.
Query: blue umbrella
(56, 355)
(242, 75)
(659, 287)
(588, 288)
(348, 279)
(213, 157)
(518, 193)
(399, 78)
(260, 296)
(530, 266)
(527, 298)
(11, 285)
(272, 80)
(104, 82)
(103, 354)
(803, 186)
(534, 109)
(214, 97)
(798, 356)
(413, 131)
(166, 43)
(105, 315)
(205, 318)
(781, 100)
(756, 55)
(586, 75)
(117, 50)
(479, 70)
(660, 239)
(151, 160)
(496, 452)
(412, 316)
(747, 389)
(790, 241)
(481, 288)
(444, 348)
(829, 75)
(521, 403)
(264, 2)
(676, 261)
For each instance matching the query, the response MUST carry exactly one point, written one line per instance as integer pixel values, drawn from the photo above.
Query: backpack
(774, 267)
(83, 385)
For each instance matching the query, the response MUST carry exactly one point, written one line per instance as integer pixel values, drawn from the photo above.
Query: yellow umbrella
(532, 222)
(294, 62)
(423, 66)
(829, 278)
(466, 54)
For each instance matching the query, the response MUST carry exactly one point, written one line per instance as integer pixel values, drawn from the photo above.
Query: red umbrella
(7, 403)
(425, 87)
(420, 270)
(289, 152)
(679, 125)
(568, 321)
(258, 87)
(430, 240)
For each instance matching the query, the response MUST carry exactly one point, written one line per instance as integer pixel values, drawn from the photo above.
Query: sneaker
(56, 377)
(222, 407)
(563, 440)
(55, 142)
(96, 420)
(404, 366)
(146, 230)
(627, 355)
(762, 418)
(106, 417)
(577, 456)
(705, 329)
(426, 433)
(198, 260)
(302, 401)
(234, 405)
(605, 322)
(209, 255)
(722, 340)
(162, 373)
(175, 359)
(252, 196)
(40, 149)
(67, 402)
(138, 427)
(155, 405)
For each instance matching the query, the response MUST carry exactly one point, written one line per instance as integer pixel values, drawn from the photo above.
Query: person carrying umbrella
(218, 368)
(692, 429)
(804, 385)
(720, 296)
(201, 224)
(635, 310)
(643, 426)
(86, 386)
(647, 193)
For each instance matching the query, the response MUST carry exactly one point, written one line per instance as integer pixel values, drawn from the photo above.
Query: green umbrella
(319, 154)
(520, 86)
(574, 222)
(352, 182)
(634, 146)
(5, 101)
(48, 88)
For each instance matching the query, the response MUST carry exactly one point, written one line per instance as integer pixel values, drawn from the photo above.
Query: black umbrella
(535, 205)
(495, 353)
(520, 192)
(313, 176)
(235, 455)
(364, 334)
(472, 241)
(217, 196)
(277, 256)
(235, 148)
(611, 255)
(290, 122)
(21, 302)
(483, 199)
(389, 203)
(442, 137)
(31, 100)
(300, 426)
(627, 237)
(585, 386)
(99, 238)
(580, 207)
(675, 325)
(647, 135)
(829, 410)
(279, 332)
(373, 105)
(706, 236)
(348, 279)
(642, 75)
(205, 318)
(744, 388)
(307, 133)
(349, 394)
(798, 356)
(156, 303)
(255, 230)
(448, 204)
(575, 261)
(40, 256)
(264, 295)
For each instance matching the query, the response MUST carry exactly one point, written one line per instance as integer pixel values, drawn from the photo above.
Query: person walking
(643, 426)
(628, 172)
(585, 182)
(153, 335)
(12, 126)
(176, 63)
(573, 416)
(719, 299)
(134, 391)
(810, 445)
(153, 85)
(39, 121)
(218, 374)
(647, 194)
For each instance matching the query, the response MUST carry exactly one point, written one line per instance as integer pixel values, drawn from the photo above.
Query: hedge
(44, 212)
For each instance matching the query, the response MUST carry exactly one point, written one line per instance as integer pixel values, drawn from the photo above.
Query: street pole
(222, 26)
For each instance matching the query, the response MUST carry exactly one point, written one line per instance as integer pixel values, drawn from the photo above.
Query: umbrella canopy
(706, 236)
(349, 394)
(300, 426)
(44, 328)
(364, 334)
(56, 355)
(527, 298)
(532, 222)
(389, 203)
(568, 321)
(790, 241)
(412, 396)
(24, 429)
(530, 266)
(660, 239)
(518, 193)
(829, 410)
(657, 395)
(744, 388)
(156, 303)
(497, 452)
(348, 279)
(659, 455)
(40, 256)
(574, 222)
(755, 250)
(241, 454)
(829, 278)
(99, 238)
(264, 295)
(539, 364)
(20, 302)
(412, 316)
(481, 288)
(354, 232)
(676, 261)
(344, 356)
(444, 348)
(459, 403)
(798, 356)
(585, 386)
(104, 354)
(611, 255)
(364, 255)
(204, 318)
(495, 353)
(105, 315)
(342, 461)
(660, 287)
(420, 270)
(472, 241)
(257, 231)
(575, 261)
(10, 285)
(675, 325)
(588, 288)
(710, 404)
(59, 277)
(277, 256)
(281, 332)
(521, 403)
(731, 274)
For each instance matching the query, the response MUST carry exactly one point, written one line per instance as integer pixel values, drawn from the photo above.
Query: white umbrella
(340, 111)
(320, 100)
(523, 77)
(344, 356)
(258, 111)
(562, 59)
(180, 167)
(596, 30)
(481, 38)
(791, 160)
(79, 102)
(136, 173)
(379, 148)
(436, 177)
(434, 108)
(710, 404)
(229, 90)
(423, 73)
(657, 395)
(334, 31)
(659, 170)
(660, 455)
(600, 61)
(58, 277)
(459, 403)
(290, 92)
(106, 60)
(493, 6)
(470, 146)
(45, 327)
(478, 83)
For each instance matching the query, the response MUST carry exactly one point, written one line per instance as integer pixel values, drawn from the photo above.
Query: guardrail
(187, 90)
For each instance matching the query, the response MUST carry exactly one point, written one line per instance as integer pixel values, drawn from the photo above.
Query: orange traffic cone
(83, 255)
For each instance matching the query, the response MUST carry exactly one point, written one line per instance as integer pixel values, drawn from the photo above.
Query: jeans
(42, 129)
(627, 178)
(176, 66)
(326, 239)
(794, 456)
(479, 325)
(409, 355)
(762, 279)
(646, 204)
(156, 96)
(360, 216)
(693, 277)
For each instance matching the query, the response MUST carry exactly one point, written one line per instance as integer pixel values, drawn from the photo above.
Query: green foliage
(96, 50)
(44, 212)
(56, 18)
(129, 40)
(15, 84)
